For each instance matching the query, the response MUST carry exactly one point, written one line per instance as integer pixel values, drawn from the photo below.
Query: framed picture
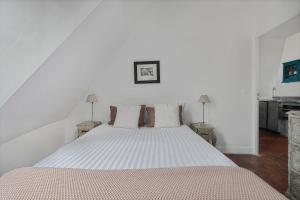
(291, 71)
(146, 72)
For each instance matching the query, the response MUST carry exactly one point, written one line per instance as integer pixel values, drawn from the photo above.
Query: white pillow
(127, 117)
(166, 115)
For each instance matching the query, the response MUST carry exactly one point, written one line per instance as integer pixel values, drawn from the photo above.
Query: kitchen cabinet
(294, 156)
(263, 114)
(268, 115)
(272, 123)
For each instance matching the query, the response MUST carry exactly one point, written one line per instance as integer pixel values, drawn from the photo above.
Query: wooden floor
(272, 164)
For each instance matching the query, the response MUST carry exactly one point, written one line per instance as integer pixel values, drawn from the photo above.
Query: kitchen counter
(273, 113)
(282, 99)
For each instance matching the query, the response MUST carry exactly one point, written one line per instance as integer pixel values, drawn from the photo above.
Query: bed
(106, 147)
(144, 163)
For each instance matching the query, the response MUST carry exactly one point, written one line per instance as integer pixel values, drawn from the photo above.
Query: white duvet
(106, 147)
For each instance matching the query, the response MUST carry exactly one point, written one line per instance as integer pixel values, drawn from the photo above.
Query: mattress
(108, 148)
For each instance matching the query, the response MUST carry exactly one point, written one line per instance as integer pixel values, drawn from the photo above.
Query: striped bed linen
(108, 148)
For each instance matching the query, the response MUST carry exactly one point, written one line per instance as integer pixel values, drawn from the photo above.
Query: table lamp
(92, 98)
(203, 99)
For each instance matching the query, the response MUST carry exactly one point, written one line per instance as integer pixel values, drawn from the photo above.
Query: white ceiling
(285, 29)
(30, 31)
(56, 87)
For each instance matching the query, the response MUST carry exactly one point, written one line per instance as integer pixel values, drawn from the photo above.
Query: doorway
(273, 97)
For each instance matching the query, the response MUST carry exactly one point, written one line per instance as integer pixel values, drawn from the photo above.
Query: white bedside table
(85, 127)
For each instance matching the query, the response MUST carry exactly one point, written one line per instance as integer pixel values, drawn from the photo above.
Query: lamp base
(203, 113)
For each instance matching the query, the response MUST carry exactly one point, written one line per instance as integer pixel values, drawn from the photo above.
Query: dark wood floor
(272, 164)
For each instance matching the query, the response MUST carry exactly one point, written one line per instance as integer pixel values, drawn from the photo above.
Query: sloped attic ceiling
(30, 31)
(55, 88)
(284, 30)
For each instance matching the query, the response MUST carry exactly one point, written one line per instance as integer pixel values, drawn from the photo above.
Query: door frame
(255, 93)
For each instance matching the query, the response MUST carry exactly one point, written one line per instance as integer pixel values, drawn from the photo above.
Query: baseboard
(237, 150)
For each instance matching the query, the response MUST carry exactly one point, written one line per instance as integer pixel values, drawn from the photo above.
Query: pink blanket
(170, 183)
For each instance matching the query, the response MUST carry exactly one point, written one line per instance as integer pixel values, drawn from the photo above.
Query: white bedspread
(106, 147)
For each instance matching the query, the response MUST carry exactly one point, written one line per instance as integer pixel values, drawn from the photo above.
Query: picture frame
(146, 72)
(291, 71)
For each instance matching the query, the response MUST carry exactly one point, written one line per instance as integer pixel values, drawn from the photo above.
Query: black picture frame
(136, 66)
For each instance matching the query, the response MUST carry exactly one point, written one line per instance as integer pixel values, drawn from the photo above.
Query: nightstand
(85, 127)
(205, 131)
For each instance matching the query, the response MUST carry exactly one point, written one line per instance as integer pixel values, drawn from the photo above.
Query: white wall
(291, 51)
(276, 47)
(30, 32)
(271, 50)
(201, 52)
(28, 149)
(203, 46)
(55, 88)
(291, 48)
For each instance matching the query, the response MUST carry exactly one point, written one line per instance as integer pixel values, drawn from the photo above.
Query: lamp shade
(92, 98)
(204, 99)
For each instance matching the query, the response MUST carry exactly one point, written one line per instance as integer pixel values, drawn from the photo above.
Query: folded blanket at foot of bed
(167, 183)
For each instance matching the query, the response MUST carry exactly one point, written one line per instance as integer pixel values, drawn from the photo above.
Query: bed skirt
(167, 183)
